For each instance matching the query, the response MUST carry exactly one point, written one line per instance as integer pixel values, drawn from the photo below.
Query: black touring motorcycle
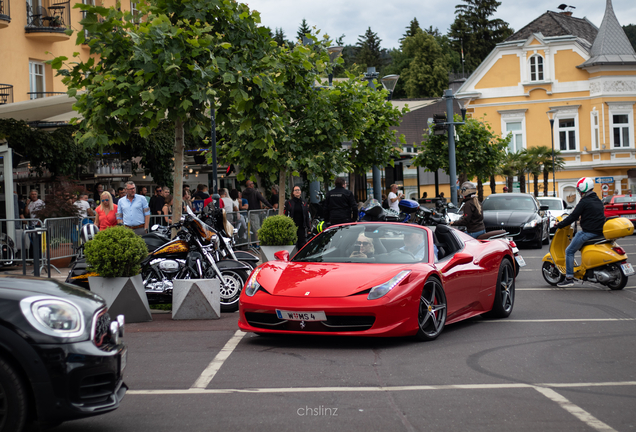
(197, 252)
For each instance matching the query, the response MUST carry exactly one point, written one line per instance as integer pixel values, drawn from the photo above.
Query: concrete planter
(196, 299)
(123, 295)
(267, 252)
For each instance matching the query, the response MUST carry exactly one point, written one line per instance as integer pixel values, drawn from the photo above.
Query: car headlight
(531, 224)
(252, 286)
(53, 316)
(381, 290)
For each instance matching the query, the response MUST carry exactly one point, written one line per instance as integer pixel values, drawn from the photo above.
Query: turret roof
(557, 24)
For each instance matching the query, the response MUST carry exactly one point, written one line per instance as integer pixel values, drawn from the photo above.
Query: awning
(49, 109)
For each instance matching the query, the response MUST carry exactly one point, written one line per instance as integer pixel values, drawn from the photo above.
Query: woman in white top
(228, 204)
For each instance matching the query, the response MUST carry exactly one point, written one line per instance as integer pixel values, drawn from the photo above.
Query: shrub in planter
(278, 231)
(116, 252)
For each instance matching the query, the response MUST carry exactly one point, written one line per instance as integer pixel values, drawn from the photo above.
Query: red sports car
(622, 205)
(380, 279)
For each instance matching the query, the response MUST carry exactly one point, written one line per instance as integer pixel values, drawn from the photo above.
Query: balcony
(48, 22)
(5, 13)
(6, 94)
(40, 95)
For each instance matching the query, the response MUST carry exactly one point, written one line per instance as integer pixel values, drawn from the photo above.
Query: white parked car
(557, 207)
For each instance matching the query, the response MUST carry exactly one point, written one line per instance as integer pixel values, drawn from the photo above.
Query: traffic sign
(604, 180)
(605, 187)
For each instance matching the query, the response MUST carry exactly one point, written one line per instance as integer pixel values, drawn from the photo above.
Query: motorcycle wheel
(234, 281)
(620, 283)
(551, 274)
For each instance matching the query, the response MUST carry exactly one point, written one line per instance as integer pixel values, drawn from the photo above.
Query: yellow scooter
(602, 259)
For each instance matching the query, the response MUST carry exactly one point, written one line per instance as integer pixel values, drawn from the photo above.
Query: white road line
(194, 390)
(575, 410)
(214, 366)
(558, 320)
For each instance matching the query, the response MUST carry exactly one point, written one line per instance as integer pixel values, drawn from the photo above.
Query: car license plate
(122, 361)
(520, 260)
(301, 316)
(627, 268)
(631, 216)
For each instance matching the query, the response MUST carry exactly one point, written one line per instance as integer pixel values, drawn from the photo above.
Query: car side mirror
(458, 259)
(544, 208)
(282, 255)
(569, 207)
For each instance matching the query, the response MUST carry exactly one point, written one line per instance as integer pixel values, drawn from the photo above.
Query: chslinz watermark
(319, 411)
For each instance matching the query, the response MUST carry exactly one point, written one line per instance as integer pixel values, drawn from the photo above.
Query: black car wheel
(13, 399)
(504, 292)
(432, 312)
(230, 293)
(551, 274)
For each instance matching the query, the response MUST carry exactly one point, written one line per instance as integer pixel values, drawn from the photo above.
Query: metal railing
(54, 17)
(5, 10)
(6, 93)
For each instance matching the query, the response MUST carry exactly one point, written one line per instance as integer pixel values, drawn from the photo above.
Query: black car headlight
(533, 223)
(53, 316)
(380, 290)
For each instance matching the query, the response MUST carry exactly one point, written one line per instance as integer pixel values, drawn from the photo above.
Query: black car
(61, 356)
(520, 214)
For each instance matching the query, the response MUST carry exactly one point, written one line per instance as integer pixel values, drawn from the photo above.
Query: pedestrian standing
(186, 200)
(84, 208)
(298, 210)
(106, 212)
(167, 211)
(201, 193)
(275, 196)
(133, 211)
(340, 204)
(394, 198)
(254, 200)
(143, 190)
(156, 203)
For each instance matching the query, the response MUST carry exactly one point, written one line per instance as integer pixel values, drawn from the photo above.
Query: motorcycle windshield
(207, 234)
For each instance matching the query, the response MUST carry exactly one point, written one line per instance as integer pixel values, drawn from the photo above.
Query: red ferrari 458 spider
(380, 279)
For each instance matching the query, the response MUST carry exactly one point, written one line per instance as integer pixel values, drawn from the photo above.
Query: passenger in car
(363, 248)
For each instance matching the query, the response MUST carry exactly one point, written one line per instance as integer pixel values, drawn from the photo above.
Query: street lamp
(551, 114)
(389, 82)
(334, 53)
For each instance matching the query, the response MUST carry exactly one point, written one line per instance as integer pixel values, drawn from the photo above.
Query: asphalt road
(564, 360)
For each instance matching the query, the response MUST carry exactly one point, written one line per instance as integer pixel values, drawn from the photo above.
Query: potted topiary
(277, 233)
(116, 254)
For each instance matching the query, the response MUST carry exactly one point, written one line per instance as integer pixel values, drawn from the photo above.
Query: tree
(171, 65)
(411, 30)
(369, 51)
(303, 30)
(630, 31)
(279, 37)
(427, 72)
(476, 34)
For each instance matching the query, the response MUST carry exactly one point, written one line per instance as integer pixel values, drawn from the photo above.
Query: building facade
(584, 77)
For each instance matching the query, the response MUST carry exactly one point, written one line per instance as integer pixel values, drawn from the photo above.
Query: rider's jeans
(577, 242)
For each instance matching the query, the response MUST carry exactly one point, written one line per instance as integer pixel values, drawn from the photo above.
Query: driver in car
(363, 247)
(415, 245)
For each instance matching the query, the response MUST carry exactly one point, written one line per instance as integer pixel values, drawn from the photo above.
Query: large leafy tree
(475, 32)
(369, 50)
(630, 31)
(181, 56)
(427, 72)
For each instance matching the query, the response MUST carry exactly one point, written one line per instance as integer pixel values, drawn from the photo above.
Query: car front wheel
(431, 315)
(13, 399)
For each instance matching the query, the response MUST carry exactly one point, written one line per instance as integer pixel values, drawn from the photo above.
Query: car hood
(18, 287)
(507, 217)
(292, 279)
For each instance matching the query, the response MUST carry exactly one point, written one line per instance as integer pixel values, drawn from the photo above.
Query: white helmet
(468, 188)
(88, 232)
(585, 185)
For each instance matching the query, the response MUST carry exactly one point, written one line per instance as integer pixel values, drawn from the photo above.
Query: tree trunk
(493, 184)
(178, 171)
(522, 182)
(510, 183)
(281, 191)
(480, 190)
(536, 185)
(545, 182)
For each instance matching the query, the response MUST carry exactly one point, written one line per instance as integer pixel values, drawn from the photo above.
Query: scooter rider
(473, 218)
(590, 209)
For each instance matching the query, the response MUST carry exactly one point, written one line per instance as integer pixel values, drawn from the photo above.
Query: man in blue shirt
(133, 210)
(415, 245)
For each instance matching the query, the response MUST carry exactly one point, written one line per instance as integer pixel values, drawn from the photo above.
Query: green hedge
(278, 231)
(116, 252)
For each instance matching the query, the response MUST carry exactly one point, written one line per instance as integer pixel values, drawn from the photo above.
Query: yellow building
(32, 32)
(585, 77)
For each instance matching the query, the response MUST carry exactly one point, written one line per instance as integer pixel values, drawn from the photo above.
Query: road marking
(214, 366)
(194, 390)
(575, 410)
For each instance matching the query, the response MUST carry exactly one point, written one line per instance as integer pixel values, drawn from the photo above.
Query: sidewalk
(43, 274)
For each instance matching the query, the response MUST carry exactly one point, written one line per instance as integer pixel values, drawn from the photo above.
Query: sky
(389, 19)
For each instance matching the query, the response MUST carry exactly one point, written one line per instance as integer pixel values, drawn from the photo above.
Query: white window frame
(134, 11)
(595, 136)
(87, 2)
(621, 108)
(514, 116)
(562, 113)
(540, 76)
(34, 73)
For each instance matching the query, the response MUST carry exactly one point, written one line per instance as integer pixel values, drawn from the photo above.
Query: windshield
(552, 204)
(505, 202)
(367, 243)
(624, 199)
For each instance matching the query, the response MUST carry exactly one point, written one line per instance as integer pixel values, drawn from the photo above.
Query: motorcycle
(7, 250)
(602, 259)
(372, 211)
(192, 254)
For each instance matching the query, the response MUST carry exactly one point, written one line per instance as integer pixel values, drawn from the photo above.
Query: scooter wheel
(551, 274)
(619, 283)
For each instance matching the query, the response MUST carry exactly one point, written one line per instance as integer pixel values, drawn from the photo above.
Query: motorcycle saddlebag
(618, 227)
(408, 206)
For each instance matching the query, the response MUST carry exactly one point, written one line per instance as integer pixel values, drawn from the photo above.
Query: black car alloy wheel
(504, 291)
(13, 399)
(431, 316)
